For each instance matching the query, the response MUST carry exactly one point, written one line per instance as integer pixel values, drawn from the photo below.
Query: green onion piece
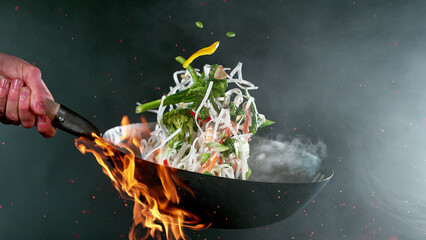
(230, 34)
(248, 173)
(217, 147)
(205, 157)
(208, 173)
(266, 123)
(199, 24)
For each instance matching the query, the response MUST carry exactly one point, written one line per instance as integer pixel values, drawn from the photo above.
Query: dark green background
(349, 73)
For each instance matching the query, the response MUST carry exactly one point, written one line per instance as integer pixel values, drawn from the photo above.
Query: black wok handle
(69, 121)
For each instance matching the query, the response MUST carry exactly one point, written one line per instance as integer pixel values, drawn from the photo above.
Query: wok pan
(275, 191)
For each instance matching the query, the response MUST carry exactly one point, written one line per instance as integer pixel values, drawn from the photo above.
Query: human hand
(23, 95)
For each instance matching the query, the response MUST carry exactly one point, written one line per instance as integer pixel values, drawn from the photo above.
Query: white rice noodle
(180, 154)
(209, 89)
(163, 143)
(218, 121)
(160, 117)
(249, 102)
(175, 76)
(206, 69)
(226, 171)
(240, 80)
(238, 98)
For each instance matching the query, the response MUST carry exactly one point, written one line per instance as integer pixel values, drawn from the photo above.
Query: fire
(156, 210)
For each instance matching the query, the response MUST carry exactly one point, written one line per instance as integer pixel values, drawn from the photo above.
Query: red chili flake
(72, 181)
(17, 8)
(165, 162)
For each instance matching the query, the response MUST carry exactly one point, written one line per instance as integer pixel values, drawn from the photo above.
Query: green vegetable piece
(189, 68)
(177, 145)
(266, 123)
(179, 118)
(205, 157)
(217, 147)
(230, 143)
(232, 109)
(248, 173)
(230, 34)
(208, 173)
(199, 24)
(193, 94)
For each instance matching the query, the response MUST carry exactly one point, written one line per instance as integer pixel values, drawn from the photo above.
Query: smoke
(297, 160)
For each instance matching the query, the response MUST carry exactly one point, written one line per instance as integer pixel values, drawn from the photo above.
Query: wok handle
(67, 120)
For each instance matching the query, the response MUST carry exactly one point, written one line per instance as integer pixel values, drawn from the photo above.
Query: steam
(297, 160)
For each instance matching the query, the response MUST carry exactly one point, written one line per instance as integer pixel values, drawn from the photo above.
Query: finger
(12, 102)
(26, 116)
(44, 126)
(32, 76)
(4, 90)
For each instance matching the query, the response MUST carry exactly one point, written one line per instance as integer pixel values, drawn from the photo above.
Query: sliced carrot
(208, 166)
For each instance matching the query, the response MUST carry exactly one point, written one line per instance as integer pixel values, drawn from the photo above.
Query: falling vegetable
(199, 24)
(230, 34)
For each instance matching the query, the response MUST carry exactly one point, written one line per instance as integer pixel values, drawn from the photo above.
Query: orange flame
(156, 208)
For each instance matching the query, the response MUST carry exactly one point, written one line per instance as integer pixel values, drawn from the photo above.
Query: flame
(156, 208)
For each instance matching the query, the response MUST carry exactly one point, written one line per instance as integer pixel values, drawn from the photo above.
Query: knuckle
(35, 71)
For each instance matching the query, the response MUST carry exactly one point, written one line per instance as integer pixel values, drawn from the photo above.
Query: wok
(276, 189)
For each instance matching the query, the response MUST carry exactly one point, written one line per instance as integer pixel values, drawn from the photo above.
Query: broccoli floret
(179, 118)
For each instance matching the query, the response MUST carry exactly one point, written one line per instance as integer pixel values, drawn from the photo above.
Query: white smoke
(297, 160)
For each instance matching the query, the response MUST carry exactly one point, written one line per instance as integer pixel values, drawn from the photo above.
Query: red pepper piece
(207, 119)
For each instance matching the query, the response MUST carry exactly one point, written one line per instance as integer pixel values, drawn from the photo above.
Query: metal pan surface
(275, 191)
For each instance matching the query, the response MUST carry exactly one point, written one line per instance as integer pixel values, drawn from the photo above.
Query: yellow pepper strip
(205, 51)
